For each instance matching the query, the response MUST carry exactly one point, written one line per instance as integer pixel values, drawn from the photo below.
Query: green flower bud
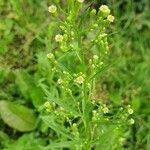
(93, 12)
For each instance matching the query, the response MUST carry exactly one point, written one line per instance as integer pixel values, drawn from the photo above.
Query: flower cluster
(105, 12)
(79, 78)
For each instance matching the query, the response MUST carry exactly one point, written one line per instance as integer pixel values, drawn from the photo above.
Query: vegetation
(74, 75)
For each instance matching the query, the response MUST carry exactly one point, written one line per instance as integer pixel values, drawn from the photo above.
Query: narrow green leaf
(63, 144)
(55, 126)
(58, 101)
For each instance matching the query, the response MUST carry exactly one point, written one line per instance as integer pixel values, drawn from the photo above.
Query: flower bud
(93, 12)
(52, 9)
(50, 56)
(59, 38)
(110, 18)
(131, 121)
(130, 111)
(104, 10)
(60, 81)
(105, 110)
(79, 79)
(80, 1)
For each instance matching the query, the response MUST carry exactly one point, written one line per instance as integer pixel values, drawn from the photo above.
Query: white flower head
(105, 10)
(52, 9)
(95, 57)
(80, 1)
(79, 79)
(131, 121)
(110, 18)
(47, 104)
(60, 81)
(130, 110)
(59, 38)
(50, 56)
(105, 110)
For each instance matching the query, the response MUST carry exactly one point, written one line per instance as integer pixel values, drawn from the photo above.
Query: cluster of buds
(59, 38)
(51, 57)
(49, 107)
(105, 12)
(79, 78)
(60, 113)
(129, 109)
(105, 109)
(130, 112)
(95, 116)
(95, 63)
(75, 131)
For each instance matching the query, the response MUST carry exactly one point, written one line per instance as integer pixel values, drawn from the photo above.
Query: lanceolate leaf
(17, 116)
(55, 126)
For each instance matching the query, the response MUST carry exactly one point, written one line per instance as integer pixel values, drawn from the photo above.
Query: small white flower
(50, 56)
(131, 121)
(59, 38)
(130, 110)
(105, 110)
(52, 9)
(129, 106)
(74, 125)
(47, 105)
(95, 57)
(79, 80)
(110, 18)
(60, 81)
(94, 112)
(80, 1)
(104, 9)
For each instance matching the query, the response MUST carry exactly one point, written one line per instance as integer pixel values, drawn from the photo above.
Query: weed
(80, 120)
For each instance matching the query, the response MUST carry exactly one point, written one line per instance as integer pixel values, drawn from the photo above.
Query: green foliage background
(25, 33)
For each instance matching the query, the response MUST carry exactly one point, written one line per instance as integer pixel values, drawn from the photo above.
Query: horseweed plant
(79, 119)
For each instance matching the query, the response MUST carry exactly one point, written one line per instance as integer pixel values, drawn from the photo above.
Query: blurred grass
(130, 76)
(26, 30)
